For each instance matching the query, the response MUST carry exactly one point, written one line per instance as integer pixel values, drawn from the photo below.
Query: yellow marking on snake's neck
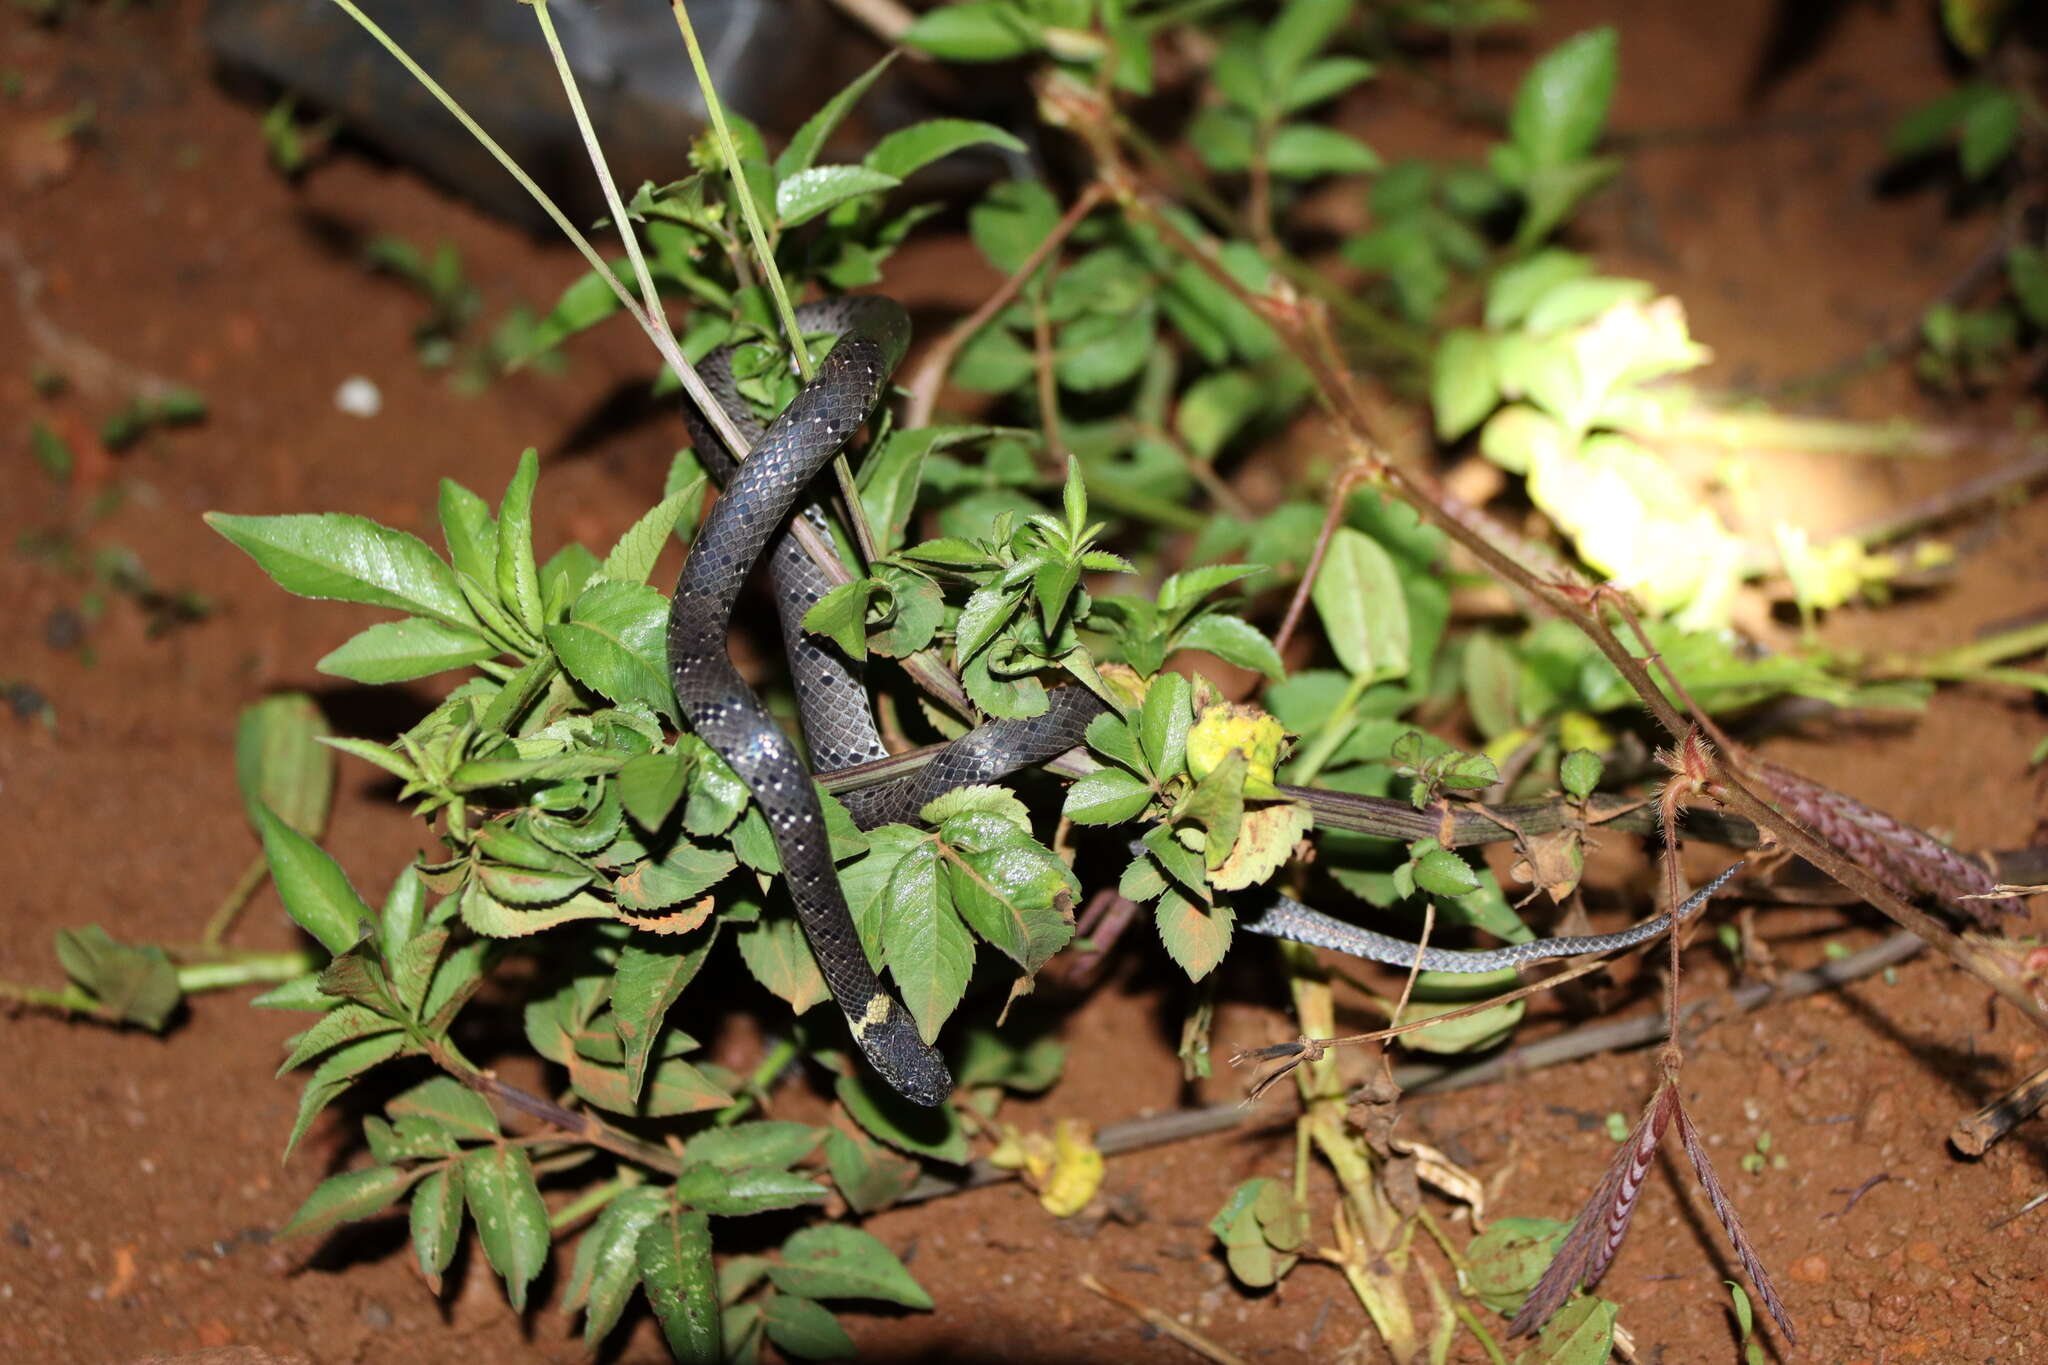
(874, 1016)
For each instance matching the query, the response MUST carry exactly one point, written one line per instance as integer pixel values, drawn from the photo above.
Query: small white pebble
(358, 397)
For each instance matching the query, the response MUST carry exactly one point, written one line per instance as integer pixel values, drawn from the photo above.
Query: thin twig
(938, 361)
(1340, 496)
(1186, 1336)
(582, 1127)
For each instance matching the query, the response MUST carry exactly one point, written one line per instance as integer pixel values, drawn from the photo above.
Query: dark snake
(761, 493)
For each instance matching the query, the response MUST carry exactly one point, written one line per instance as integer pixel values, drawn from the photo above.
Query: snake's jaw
(889, 1038)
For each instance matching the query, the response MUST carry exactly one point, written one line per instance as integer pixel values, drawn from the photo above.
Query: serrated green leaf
(469, 529)
(684, 872)
(832, 1261)
(398, 651)
(334, 1075)
(1510, 1257)
(436, 1220)
(349, 559)
(925, 946)
(869, 1176)
(841, 616)
(1234, 640)
(346, 1198)
(511, 1220)
(1581, 1333)
(315, 891)
(135, 984)
(448, 1104)
(649, 977)
(1196, 936)
(750, 1189)
(772, 1144)
(614, 644)
(1163, 724)
(632, 559)
(650, 785)
(342, 1025)
(682, 1284)
(607, 1265)
(1103, 350)
(776, 953)
(1106, 797)
(1015, 892)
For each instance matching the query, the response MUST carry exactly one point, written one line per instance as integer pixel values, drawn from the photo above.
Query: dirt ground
(139, 1178)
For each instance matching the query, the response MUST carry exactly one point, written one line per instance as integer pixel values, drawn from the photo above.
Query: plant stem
(591, 1200)
(1336, 728)
(223, 917)
(755, 1090)
(247, 969)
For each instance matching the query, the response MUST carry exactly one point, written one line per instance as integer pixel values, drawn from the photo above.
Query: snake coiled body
(752, 518)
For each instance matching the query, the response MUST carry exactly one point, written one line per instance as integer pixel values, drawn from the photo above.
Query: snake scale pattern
(752, 517)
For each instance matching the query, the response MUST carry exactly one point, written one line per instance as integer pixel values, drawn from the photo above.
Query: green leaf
(682, 1284)
(280, 763)
(448, 1104)
(398, 651)
(649, 787)
(343, 1025)
(1323, 80)
(1235, 641)
(682, 873)
(803, 1327)
(776, 953)
(632, 559)
(1492, 680)
(518, 575)
(511, 1220)
(1015, 215)
(810, 139)
(1358, 596)
(1510, 1257)
(334, 1074)
(1301, 29)
(51, 453)
(772, 1144)
(1013, 890)
(1103, 350)
(1196, 936)
(904, 1125)
(436, 1223)
(927, 949)
(1464, 386)
(1163, 724)
(1443, 873)
(749, 1190)
(1929, 124)
(811, 192)
(137, 985)
(832, 1261)
(2026, 268)
(1107, 797)
(650, 975)
(1579, 773)
(614, 644)
(1989, 133)
(869, 1176)
(975, 31)
(1301, 151)
(1580, 1333)
(1563, 101)
(908, 150)
(1515, 290)
(315, 891)
(607, 1266)
(349, 559)
(347, 1197)
(841, 616)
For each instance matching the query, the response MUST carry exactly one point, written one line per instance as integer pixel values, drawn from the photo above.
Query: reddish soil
(138, 1176)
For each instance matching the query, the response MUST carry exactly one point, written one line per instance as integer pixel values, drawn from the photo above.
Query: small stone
(63, 628)
(358, 397)
(376, 1316)
(1810, 1269)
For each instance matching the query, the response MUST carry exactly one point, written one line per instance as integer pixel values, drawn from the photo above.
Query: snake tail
(1290, 919)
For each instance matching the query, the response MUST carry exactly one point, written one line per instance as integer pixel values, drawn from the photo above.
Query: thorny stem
(581, 1127)
(938, 362)
(1340, 498)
